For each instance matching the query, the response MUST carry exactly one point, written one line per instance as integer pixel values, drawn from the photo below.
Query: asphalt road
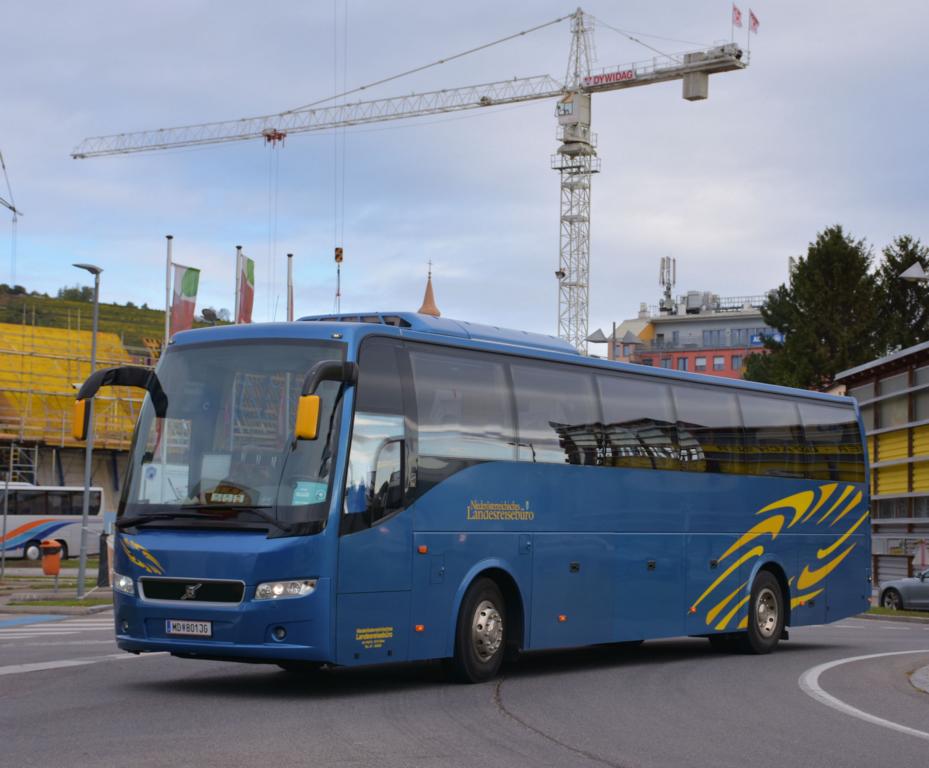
(69, 698)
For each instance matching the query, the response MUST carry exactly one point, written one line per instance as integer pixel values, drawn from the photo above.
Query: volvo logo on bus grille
(190, 592)
(205, 591)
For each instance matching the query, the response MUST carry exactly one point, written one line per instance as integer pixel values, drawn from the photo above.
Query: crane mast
(575, 159)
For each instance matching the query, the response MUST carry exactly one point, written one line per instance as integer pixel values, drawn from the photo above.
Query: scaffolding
(40, 370)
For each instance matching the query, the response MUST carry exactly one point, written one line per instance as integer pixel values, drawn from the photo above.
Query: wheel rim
(766, 612)
(890, 600)
(486, 630)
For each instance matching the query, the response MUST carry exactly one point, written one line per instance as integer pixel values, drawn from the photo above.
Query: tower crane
(11, 205)
(575, 159)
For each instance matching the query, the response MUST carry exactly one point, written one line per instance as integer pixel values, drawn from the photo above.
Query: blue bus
(360, 489)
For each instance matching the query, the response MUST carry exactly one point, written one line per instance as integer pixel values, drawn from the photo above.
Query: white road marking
(18, 669)
(55, 629)
(809, 684)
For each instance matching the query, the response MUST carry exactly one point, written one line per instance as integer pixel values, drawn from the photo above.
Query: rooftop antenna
(667, 277)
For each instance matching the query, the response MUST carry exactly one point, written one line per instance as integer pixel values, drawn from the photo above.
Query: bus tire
(64, 549)
(31, 551)
(765, 615)
(480, 635)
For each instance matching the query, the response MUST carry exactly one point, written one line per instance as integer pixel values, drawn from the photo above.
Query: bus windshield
(225, 454)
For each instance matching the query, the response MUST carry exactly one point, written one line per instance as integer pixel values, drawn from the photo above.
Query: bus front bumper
(253, 630)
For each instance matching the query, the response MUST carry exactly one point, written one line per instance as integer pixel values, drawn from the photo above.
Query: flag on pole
(752, 21)
(184, 298)
(736, 16)
(246, 283)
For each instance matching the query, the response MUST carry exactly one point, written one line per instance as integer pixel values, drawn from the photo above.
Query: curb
(920, 679)
(884, 617)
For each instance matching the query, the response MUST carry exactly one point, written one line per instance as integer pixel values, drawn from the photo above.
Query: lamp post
(89, 450)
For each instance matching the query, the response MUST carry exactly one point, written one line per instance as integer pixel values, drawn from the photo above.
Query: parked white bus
(38, 512)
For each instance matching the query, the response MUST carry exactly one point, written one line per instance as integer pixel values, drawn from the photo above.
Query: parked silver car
(911, 593)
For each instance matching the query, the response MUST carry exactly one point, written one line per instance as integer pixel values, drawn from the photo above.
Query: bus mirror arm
(306, 426)
(329, 370)
(122, 376)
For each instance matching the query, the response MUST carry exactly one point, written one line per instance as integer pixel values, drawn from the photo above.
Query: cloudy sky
(827, 125)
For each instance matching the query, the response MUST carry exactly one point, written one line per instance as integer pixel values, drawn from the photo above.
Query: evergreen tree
(828, 313)
(904, 304)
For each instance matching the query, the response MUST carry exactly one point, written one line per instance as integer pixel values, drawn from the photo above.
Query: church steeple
(429, 306)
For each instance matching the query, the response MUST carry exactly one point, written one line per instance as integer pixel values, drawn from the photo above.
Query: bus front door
(375, 546)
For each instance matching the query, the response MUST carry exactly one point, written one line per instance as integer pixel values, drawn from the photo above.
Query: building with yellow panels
(40, 369)
(893, 393)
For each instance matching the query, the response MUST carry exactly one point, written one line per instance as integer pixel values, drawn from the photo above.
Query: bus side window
(28, 502)
(463, 408)
(638, 424)
(59, 503)
(375, 486)
(709, 429)
(558, 417)
(833, 442)
(773, 439)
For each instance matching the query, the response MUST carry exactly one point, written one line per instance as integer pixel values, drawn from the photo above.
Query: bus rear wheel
(765, 615)
(31, 551)
(64, 549)
(480, 637)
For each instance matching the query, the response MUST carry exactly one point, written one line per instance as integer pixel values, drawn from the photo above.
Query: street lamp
(89, 450)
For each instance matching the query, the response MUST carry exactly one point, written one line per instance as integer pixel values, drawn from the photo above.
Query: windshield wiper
(129, 522)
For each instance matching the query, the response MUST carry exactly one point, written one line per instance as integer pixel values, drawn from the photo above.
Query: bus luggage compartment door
(573, 589)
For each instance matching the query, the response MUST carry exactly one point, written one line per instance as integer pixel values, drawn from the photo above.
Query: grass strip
(878, 611)
(65, 603)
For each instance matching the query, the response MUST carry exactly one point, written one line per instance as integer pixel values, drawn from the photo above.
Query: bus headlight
(272, 590)
(123, 584)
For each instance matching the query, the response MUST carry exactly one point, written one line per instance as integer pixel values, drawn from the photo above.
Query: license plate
(192, 628)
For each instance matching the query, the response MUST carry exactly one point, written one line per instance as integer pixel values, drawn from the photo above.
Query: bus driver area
(359, 489)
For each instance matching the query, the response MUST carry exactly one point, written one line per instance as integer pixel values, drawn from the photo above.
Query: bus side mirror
(80, 419)
(123, 376)
(307, 426)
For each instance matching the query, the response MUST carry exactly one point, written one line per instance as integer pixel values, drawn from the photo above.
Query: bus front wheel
(765, 615)
(480, 637)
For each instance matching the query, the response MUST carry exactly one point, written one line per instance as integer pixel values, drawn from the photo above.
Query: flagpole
(238, 280)
(170, 239)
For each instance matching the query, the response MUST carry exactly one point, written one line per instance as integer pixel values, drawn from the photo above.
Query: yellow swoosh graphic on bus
(821, 553)
(754, 552)
(730, 590)
(837, 502)
(799, 502)
(808, 578)
(132, 548)
(770, 525)
(803, 599)
(824, 493)
(714, 611)
(851, 505)
(729, 616)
